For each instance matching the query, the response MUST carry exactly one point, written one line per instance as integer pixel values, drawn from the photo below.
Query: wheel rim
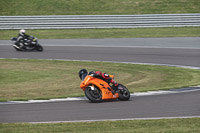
(125, 93)
(39, 49)
(95, 94)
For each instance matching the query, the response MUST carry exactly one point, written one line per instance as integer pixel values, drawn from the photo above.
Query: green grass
(45, 79)
(107, 33)
(97, 7)
(85, 7)
(33, 79)
(191, 125)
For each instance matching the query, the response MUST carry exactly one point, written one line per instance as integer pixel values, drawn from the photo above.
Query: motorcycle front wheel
(94, 95)
(17, 49)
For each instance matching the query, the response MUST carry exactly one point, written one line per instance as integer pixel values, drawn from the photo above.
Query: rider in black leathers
(21, 37)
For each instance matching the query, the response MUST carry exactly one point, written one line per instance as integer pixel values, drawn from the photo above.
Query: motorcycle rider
(21, 37)
(100, 75)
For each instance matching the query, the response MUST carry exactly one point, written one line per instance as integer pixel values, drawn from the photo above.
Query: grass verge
(90, 7)
(22, 79)
(190, 125)
(107, 33)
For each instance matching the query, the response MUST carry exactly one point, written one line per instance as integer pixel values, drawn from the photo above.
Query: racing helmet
(82, 73)
(22, 32)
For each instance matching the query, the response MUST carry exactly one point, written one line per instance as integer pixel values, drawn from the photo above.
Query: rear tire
(124, 94)
(39, 48)
(94, 96)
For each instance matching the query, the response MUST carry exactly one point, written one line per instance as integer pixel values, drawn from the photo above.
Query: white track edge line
(161, 92)
(99, 120)
(139, 94)
(111, 46)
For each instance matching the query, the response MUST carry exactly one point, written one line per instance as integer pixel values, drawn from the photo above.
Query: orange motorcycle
(97, 90)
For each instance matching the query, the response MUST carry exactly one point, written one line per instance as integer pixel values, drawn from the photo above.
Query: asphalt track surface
(172, 51)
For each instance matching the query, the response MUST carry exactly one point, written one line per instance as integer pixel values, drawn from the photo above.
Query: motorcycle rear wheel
(39, 48)
(94, 96)
(124, 94)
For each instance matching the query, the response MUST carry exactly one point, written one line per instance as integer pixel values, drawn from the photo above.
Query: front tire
(17, 49)
(124, 94)
(94, 95)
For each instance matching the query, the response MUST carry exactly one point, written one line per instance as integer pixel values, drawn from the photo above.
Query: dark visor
(83, 76)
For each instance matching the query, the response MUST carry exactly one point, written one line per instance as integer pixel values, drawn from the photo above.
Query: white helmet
(22, 32)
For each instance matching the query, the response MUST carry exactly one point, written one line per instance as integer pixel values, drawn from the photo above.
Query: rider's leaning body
(21, 37)
(100, 75)
(104, 76)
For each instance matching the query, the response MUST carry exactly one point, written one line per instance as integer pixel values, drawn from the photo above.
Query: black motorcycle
(29, 44)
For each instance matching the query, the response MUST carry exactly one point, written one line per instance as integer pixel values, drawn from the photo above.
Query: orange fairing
(112, 76)
(102, 85)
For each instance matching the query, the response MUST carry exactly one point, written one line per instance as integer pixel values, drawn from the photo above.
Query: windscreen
(83, 76)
